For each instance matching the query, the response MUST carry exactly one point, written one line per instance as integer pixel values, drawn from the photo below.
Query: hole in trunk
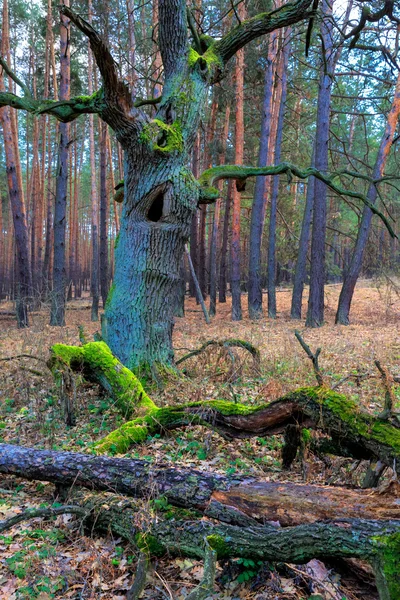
(156, 209)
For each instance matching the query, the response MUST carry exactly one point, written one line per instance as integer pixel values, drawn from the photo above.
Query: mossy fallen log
(97, 364)
(354, 432)
(377, 542)
(230, 499)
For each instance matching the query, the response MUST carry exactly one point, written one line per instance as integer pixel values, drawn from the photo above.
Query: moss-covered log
(229, 499)
(97, 364)
(354, 432)
(377, 542)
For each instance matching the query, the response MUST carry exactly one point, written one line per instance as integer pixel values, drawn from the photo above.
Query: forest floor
(53, 559)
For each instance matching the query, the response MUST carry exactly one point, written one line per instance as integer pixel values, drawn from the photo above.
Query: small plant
(250, 568)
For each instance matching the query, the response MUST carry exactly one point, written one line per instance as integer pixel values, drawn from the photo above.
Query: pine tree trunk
(271, 277)
(57, 315)
(104, 212)
(23, 278)
(301, 262)
(353, 272)
(216, 221)
(260, 198)
(236, 196)
(315, 313)
(94, 282)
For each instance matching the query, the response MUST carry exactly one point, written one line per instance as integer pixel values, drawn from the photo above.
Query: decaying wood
(228, 499)
(370, 540)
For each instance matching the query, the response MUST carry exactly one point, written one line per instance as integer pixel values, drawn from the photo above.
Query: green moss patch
(171, 136)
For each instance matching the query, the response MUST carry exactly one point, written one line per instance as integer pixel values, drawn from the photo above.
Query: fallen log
(353, 432)
(230, 499)
(377, 542)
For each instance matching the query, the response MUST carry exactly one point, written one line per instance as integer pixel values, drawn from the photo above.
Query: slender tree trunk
(15, 189)
(94, 283)
(194, 228)
(104, 212)
(271, 277)
(223, 276)
(217, 211)
(260, 197)
(301, 262)
(315, 313)
(353, 271)
(57, 315)
(236, 197)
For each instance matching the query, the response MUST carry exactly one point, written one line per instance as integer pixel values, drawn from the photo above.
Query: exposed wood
(218, 496)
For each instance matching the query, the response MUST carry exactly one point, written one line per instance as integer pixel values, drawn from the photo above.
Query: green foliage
(250, 569)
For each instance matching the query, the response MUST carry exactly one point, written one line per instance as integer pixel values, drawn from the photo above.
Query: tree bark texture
(237, 499)
(260, 197)
(315, 313)
(58, 301)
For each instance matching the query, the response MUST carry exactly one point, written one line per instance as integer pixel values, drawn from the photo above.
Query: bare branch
(390, 398)
(114, 89)
(313, 357)
(209, 177)
(368, 17)
(35, 513)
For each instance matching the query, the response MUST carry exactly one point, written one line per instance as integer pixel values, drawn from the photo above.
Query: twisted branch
(209, 193)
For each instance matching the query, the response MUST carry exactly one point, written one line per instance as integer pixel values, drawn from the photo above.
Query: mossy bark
(97, 364)
(370, 540)
(354, 432)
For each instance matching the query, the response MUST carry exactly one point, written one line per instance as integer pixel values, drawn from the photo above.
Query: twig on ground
(34, 513)
(313, 357)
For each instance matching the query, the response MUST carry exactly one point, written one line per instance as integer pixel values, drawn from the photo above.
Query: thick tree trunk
(160, 199)
(373, 541)
(353, 272)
